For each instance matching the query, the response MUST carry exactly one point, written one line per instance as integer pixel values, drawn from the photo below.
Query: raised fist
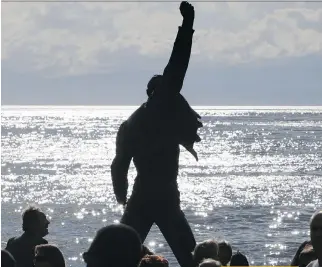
(187, 10)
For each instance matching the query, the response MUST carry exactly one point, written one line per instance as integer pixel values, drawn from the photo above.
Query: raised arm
(120, 165)
(175, 71)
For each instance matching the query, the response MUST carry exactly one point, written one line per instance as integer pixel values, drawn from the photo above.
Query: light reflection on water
(256, 184)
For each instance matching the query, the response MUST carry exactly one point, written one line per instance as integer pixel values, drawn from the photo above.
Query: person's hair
(307, 249)
(239, 259)
(205, 250)
(29, 216)
(52, 254)
(210, 263)
(153, 261)
(295, 260)
(314, 215)
(115, 245)
(307, 254)
(224, 245)
(7, 260)
(146, 251)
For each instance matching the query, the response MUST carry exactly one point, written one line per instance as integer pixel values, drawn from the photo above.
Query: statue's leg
(176, 230)
(137, 216)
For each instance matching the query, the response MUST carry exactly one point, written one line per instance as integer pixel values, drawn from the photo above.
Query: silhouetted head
(239, 259)
(225, 252)
(205, 250)
(35, 222)
(210, 263)
(48, 256)
(316, 232)
(154, 82)
(153, 261)
(7, 259)
(116, 245)
(306, 256)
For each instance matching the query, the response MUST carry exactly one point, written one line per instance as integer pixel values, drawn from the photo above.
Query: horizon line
(194, 106)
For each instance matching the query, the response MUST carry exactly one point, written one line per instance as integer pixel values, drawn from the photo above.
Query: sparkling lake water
(257, 182)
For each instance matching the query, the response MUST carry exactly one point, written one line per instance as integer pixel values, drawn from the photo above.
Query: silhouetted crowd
(119, 245)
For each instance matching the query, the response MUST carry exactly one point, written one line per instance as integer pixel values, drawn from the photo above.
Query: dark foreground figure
(35, 227)
(151, 136)
(116, 245)
(7, 259)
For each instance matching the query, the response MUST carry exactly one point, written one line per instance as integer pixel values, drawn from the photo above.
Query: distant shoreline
(313, 107)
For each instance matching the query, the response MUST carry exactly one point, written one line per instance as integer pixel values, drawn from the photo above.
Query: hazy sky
(105, 53)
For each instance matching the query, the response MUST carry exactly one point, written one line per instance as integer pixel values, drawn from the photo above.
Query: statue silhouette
(151, 136)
